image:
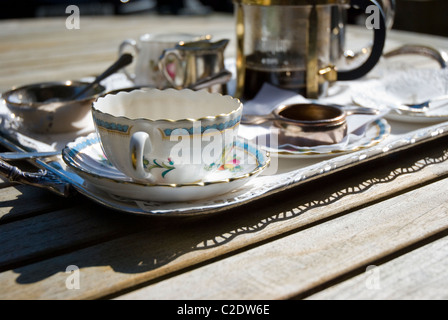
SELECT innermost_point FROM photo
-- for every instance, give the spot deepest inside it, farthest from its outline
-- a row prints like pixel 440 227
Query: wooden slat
pixel 417 275
pixel 20 201
pixel 57 231
pixel 299 262
pixel 50 52
pixel 4 183
pixel 171 245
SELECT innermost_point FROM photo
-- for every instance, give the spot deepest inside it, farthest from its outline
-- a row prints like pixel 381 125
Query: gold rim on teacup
pixel 146 89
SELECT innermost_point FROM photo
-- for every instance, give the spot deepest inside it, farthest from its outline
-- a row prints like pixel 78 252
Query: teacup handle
pixel 377 47
pixel 121 49
pixel 164 65
pixel 140 144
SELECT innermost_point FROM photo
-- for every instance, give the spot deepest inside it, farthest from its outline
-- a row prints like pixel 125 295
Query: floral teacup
pixel 167 136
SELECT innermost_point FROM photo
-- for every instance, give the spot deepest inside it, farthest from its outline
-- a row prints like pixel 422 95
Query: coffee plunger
pixel 287 43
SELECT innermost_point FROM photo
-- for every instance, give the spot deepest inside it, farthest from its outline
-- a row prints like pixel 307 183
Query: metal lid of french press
pixel 289 2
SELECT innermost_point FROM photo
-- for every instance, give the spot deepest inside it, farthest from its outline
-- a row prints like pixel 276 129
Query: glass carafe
pixel 287 43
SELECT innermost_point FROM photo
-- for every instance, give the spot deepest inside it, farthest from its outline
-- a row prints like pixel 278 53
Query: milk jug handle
pixel 164 62
pixel 121 50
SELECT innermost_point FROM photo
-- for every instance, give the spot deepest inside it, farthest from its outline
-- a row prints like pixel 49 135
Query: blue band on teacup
pixel 112 126
pixel 217 126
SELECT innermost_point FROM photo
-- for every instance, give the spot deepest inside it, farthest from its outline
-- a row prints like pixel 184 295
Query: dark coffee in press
pixel 258 72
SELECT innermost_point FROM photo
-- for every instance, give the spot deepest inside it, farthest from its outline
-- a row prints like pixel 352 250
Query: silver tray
pixel 55 176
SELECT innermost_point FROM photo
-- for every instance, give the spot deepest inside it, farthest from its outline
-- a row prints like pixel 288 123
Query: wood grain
pixel 301 261
pixel 4 183
pixel 417 275
pixel 20 201
pixel 47 51
pixel 165 246
pixel 56 231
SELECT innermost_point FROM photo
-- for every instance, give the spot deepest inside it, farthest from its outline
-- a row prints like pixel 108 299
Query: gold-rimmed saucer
pixel 86 158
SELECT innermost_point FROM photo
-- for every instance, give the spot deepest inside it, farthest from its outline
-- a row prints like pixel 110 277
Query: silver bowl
pixel 47 107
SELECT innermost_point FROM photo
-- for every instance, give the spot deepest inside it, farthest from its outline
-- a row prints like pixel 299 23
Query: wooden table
pixel 374 231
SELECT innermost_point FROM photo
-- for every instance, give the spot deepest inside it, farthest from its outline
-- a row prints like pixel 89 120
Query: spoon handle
pixel 14 156
pixel 360 110
pixel 425 106
pixel 220 78
pixel 439 98
pixel 255 119
pixel 42 178
pixel 123 61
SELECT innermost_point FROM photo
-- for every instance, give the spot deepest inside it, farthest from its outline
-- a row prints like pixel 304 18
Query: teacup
pixel 167 136
pixel 147 51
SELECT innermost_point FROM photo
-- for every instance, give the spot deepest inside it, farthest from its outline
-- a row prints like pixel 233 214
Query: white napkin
pixel 269 97
pixel 406 86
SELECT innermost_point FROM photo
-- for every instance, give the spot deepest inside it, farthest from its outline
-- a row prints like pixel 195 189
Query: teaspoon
pixel 16 156
pixel 123 61
pixel 424 106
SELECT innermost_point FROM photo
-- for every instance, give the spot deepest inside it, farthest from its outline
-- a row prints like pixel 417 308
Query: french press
pixel 287 43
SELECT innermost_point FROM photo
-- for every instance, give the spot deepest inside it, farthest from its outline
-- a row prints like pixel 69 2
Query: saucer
pixel 86 158
pixel 375 132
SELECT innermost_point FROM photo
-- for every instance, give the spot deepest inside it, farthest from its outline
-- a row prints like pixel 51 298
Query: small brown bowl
pixel 47 108
pixel 310 124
